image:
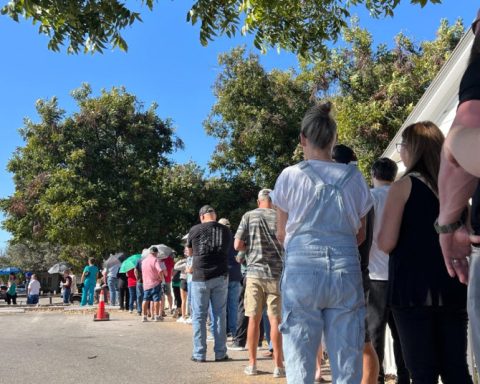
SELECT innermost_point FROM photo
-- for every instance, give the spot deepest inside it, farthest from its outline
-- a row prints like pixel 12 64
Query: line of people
pixel 305 266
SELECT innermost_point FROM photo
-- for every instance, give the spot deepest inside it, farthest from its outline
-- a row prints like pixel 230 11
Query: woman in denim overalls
pixel 321 207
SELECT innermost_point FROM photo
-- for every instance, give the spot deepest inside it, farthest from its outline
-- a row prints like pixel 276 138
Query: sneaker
pixel 145 319
pixel 181 320
pixel 130 311
pixel 139 313
pixel 235 347
pixel 278 372
pixel 250 370
pixel 195 360
pixel 158 318
pixel 210 338
pixel 189 321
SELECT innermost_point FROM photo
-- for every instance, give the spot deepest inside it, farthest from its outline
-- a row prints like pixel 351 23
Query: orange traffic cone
pixel 101 315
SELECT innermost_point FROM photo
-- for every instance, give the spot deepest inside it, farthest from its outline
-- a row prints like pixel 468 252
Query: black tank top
pixel 417 273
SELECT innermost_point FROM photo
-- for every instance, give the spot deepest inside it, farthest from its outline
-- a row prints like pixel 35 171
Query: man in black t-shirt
pixel 209 243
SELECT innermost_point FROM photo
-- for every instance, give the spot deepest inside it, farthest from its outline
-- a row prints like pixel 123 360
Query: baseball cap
pixel 264 193
pixel 206 209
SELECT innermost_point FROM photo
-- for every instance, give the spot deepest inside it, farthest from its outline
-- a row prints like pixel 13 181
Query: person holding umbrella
pixel 89 278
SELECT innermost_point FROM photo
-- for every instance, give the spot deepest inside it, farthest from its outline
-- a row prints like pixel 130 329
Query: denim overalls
pixel 322 289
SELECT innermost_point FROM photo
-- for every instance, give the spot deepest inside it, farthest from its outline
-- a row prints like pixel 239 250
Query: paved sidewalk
pixel 64 347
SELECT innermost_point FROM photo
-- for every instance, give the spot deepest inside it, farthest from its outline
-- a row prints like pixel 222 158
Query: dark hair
pixel 318 126
pixel 423 142
pixel 343 154
pixel 384 169
pixel 91 260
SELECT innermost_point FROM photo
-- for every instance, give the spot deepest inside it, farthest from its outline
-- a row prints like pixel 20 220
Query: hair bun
pixel 325 108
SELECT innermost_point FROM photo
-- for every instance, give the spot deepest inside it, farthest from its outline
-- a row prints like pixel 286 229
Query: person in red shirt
pixel 169 264
pixel 132 289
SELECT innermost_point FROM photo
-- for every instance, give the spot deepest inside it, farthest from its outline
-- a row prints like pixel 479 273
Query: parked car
pixel 21 290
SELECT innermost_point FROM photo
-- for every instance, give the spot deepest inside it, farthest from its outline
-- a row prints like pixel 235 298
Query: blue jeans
pixel 267 328
pixel 112 283
pixel 322 291
pixel 189 298
pixel 32 299
pixel 232 305
pixel 212 291
pixel 66 295
pixel 132 297
pixel 87 294
pixel 473 301
pixel 139 297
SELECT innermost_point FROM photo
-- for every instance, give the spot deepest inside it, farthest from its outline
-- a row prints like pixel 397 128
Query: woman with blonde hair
pixel 429 307
pixel 321 209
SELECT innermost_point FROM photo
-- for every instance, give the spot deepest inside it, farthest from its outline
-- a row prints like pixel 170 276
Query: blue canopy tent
pixel 9 270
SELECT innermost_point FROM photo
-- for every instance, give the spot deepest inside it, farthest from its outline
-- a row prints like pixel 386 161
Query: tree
pixel 256 119
pixel 375 89
pixel 257 114
pixel 30 256
pixel 298 26
pixel 90 180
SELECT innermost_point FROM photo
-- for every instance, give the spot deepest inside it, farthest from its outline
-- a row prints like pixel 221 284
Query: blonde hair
pixel 423 141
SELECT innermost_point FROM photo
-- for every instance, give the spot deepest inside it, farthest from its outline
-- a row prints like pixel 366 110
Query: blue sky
pixel 165 64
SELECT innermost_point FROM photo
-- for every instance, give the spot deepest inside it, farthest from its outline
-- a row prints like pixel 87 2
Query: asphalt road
pixel 69 347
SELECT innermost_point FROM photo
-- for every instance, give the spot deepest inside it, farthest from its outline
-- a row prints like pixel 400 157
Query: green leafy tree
pixel 298 26
pixel 256 119
pixel 90 180
pixel 375 89
pixel 257 114
pixel 30 256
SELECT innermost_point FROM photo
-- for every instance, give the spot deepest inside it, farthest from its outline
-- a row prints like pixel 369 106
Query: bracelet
pixel 447 228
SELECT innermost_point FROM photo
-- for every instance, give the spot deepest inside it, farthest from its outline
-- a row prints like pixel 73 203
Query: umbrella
pixel 114 259
pixel 59 268
pixel 163 251
pixel 130 263
pixel 8 270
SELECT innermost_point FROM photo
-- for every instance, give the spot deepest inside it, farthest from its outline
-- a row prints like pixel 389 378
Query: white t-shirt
pixel 378 260
pixel 34 287
pixel 294 193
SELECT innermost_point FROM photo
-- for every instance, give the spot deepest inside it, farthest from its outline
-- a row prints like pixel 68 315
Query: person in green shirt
pixel 12 289
pixel 89 278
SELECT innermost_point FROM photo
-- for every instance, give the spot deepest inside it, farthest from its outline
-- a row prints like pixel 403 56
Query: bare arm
pixel 282 218
pixel 455 189
pixel 393 213
pixel 239 245
pixel 362 232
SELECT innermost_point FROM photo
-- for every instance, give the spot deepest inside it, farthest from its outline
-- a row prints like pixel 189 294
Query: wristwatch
pixel 447 228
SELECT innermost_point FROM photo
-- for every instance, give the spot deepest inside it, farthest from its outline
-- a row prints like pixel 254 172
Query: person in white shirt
pixel 383 172
pixel 33 291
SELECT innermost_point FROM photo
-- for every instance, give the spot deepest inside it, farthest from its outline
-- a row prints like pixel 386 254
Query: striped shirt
pixel 264 253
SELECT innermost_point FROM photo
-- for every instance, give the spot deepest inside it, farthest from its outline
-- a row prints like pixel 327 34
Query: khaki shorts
pixel 261 292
